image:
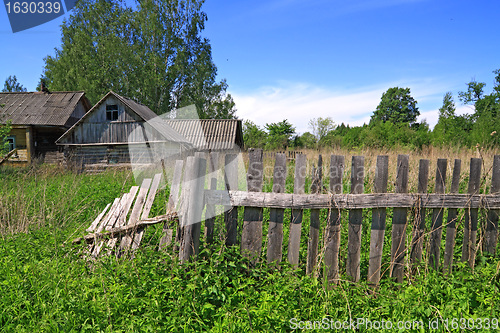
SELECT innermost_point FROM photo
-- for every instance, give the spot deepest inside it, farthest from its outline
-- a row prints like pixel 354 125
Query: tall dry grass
pixel 46 195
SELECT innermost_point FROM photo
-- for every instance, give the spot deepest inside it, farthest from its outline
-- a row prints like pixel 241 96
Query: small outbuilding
pixel 118 130
pixel 38 119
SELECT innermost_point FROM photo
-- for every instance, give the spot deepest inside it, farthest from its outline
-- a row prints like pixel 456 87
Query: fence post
pixel 332 232
pixel 251 235
pixel 491 234
pixel 194 180
pixel 355 220
pixel 378 222
pixel 437 216
pixel 296 223
pixel 451 230
pixel 231 213
pixel 398 246
pixel 470 227
pixel 417 243
pixel 312 243
pixel 276 215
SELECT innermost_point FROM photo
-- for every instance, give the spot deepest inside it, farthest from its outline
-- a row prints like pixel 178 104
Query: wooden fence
pixel 254 201
pixel 194 190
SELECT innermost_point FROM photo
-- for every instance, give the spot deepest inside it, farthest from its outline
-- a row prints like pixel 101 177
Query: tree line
pixel 394 124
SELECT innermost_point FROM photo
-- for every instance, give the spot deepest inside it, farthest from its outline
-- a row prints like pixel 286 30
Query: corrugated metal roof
pixel 210 134
pixel 38 108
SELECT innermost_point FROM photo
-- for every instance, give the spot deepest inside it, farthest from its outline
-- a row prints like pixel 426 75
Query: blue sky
pixel 297 60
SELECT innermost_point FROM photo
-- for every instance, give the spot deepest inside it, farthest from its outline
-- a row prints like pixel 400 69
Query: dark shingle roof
pixel 42 109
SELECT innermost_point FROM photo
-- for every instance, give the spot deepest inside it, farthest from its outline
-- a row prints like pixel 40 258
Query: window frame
pixel 12 145
pixel 112 112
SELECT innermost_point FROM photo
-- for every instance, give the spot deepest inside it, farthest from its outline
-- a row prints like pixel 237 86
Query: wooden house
pixel 38 119
pixel 119 130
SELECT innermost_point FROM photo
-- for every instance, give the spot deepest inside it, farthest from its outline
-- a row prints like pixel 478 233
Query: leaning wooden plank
pixel 126 241
pixel 111 223
pixel 296 221
pixel 417 243
pixel 276 215
pixel 314 220
pixel 103 222
pixel 172 203
pixel 94 224
pixel 437 216
pixel 470 227
pixel 491 234
pixel 351 201
pixel 169 217
pixel 355 225
pixel 378 222
pixel 251 235
pixel 147 208
pixel 451 230
pixel 123 217
pixel 332 231
pixel 398 245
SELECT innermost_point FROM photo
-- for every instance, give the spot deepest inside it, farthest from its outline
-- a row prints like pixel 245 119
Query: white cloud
pixel 300 102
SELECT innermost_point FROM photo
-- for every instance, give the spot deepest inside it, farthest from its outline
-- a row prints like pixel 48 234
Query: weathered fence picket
pixel 355 220
pixel 251 234
pixel 437 216
pixel 213 168
pixel 296 218
pixel 378 222
pixel 470 227
pixel 276 215
pixel 398 246
pixel 451 230
pixel 314 222
pixel 332 232
pixel 491 230
pixel 173 201
pixel 417 243
pixel 231 213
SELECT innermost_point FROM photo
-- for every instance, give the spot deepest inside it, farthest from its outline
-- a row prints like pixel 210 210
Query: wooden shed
pixel 119 130
pixel 38 120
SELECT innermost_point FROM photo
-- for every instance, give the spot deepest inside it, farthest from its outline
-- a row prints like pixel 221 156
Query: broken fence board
pixel 126 241
pixel 146 209
pixel 123 216
pixel 94 224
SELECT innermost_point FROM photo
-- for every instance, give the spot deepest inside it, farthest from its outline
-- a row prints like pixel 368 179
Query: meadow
pixel 46 285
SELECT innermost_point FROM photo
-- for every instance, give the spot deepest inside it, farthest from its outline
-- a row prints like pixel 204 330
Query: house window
pixel 11 141
pixel 112 112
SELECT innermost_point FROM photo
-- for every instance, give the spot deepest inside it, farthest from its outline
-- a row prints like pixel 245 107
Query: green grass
pixel 46 286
